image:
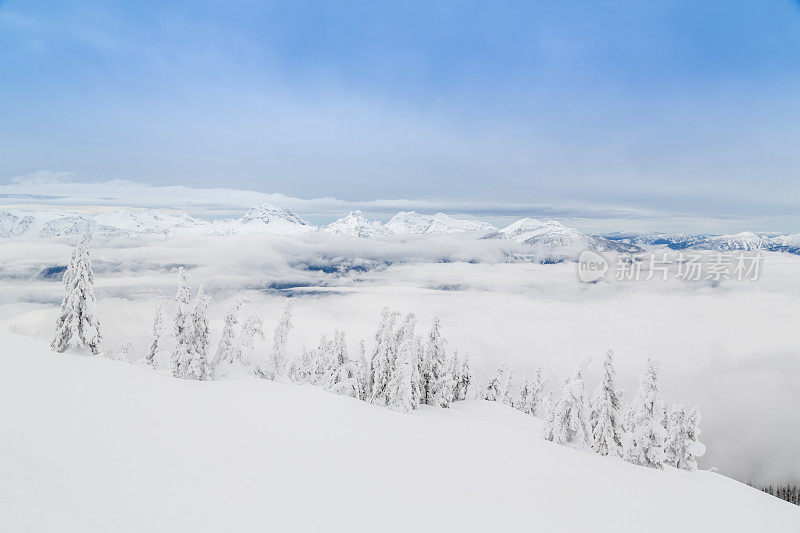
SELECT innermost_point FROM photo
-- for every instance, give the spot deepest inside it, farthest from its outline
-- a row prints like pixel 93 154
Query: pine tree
pixel 279 358
pixel 530 394
pixel 383 358
pixel 182 328
pixel 439 379
pixel 675 443
pixel 78 324
pixel 570 414
pixel 693 448
pixel 196 365
pixel 404 392
pixel 155 344
pixel 499 385
pixel 252 327
pixel 465 388
pixel 344 378
pixel 606 420
pixel 548 418
pixel 643 442
pixel 321 362
pixel 229 348
pixel 536 393
pixel 364 373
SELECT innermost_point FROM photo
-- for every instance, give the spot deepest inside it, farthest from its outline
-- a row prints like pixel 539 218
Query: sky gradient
pixel 681 110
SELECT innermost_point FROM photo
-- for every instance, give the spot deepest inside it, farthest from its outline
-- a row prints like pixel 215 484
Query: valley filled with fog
pixel 729 347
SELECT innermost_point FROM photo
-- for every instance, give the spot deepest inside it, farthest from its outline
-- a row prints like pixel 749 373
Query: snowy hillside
pixel 118 447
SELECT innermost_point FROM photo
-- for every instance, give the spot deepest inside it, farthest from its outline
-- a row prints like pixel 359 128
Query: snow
pixel 271 220
pixel 411 222
pixel 356 224
pixel 90 444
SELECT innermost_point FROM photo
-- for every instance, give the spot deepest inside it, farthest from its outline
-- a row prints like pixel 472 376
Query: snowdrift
pixel 90 444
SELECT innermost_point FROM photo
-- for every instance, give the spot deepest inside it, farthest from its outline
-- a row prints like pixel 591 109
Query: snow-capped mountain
pixel 411 222
pixel 745 241
pixel 555 236
pixel 149 221
pixel 356 224
pixel 14 225
pixel 268 219
pixel 123 223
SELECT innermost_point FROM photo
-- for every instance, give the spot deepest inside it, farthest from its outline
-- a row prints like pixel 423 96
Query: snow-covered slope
pixel 356 224
pixel 411 222
pixel 89 444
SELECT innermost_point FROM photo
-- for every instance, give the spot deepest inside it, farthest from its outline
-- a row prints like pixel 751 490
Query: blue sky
pixel 687 111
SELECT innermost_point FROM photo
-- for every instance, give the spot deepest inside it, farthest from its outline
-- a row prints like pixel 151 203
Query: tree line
pixel 402 371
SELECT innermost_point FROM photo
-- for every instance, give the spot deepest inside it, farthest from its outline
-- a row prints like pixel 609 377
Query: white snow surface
pixel 90 444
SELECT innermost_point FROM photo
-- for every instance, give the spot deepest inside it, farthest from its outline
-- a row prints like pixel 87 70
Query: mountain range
pixel 267 219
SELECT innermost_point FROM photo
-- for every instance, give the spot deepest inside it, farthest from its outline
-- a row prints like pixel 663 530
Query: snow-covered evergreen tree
pixel 182 326
pixel 531 394
pixel 498 387
pixel 344 378
pixel 548 417
pixel 364 373
pixel 78 323
pixel 229 348
pixel 694 448
pixel 196 365
pixel 439 380
pixel 606 419
pixel 404 391
pixel 383 358
pixel 570 414
pixel 465 386
pixel 643 442
pixel 252 327
pixel 279 359
pixel 682 446
pixel 156 343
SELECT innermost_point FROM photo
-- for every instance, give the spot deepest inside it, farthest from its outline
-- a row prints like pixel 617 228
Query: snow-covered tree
pixel 404 392
pixel 643 442
pixel 439 380
pixel 531 394
pixel 344 377
pixel 303 366
pixel 682 447
pixel 78 324
pixel 157 342
pixel 498 387
pixel 570 414
pixel 364 373
pixel 383 358
pixel 465 386
pixel 279 359
pixel 196 365
pixel 229 348
pixel 182 326
pixel 606 419
pixel 252 327
pixel 548 417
